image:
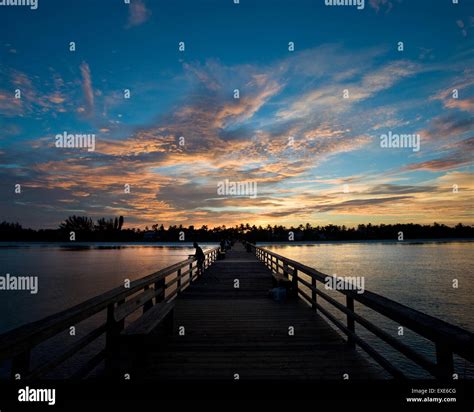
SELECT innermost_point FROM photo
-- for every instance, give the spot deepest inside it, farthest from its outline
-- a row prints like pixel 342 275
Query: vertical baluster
pixel 294 281
pixel 111 337
pixel 160 284
pixel 178 287
pixel 148 305
pixel 350 320
pixel 110 325
pixel 314 295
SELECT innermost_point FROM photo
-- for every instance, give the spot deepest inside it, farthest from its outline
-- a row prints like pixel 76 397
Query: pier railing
pixel 448 339
pixel 119 303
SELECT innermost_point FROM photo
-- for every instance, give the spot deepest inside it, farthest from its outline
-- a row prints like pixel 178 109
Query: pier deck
pixel 232 333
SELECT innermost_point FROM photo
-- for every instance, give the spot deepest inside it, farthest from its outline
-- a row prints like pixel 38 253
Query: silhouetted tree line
pixel 111 230
pixel 361 232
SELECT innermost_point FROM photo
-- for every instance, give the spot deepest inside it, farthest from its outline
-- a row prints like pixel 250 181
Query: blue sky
pixel 333 171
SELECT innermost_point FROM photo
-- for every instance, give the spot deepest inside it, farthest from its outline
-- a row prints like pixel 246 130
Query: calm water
pixel 419 275
pixel 68 276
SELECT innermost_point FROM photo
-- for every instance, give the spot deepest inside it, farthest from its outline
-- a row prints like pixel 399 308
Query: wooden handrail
pixel 449 339
pixel 18 343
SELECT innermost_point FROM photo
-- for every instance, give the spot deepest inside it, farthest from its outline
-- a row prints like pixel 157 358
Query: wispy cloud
pixel 465 25
pixel 87 87
pixel 379 5
pixel 460 154
pixel 448 126
pixel 32 101
pixel 465 100
pixel 138 13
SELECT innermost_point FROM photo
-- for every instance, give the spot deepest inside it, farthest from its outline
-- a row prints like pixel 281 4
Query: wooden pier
pixel 235 332
pixel 178 324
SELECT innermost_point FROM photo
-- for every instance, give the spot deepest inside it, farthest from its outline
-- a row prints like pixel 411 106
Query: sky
pixel 305 130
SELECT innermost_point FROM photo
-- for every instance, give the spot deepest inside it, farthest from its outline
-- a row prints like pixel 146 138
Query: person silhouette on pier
pixel 199 256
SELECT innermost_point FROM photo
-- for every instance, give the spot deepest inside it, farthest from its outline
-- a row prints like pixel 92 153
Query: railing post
pixel 111 337
pixel 178 287
pixel 21 365
pixel 314 295
pixel 110 325
pixel 148 305
pixel 350 320
pixel 190 272
pixel 160 284
pixel 294 281
pixel 444 361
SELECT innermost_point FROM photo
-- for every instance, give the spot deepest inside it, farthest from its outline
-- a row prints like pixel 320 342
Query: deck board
pixel 242 331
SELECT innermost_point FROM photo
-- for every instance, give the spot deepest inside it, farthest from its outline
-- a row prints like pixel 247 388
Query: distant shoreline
pixel 84 229
pixel 391 241
pixel 99 245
